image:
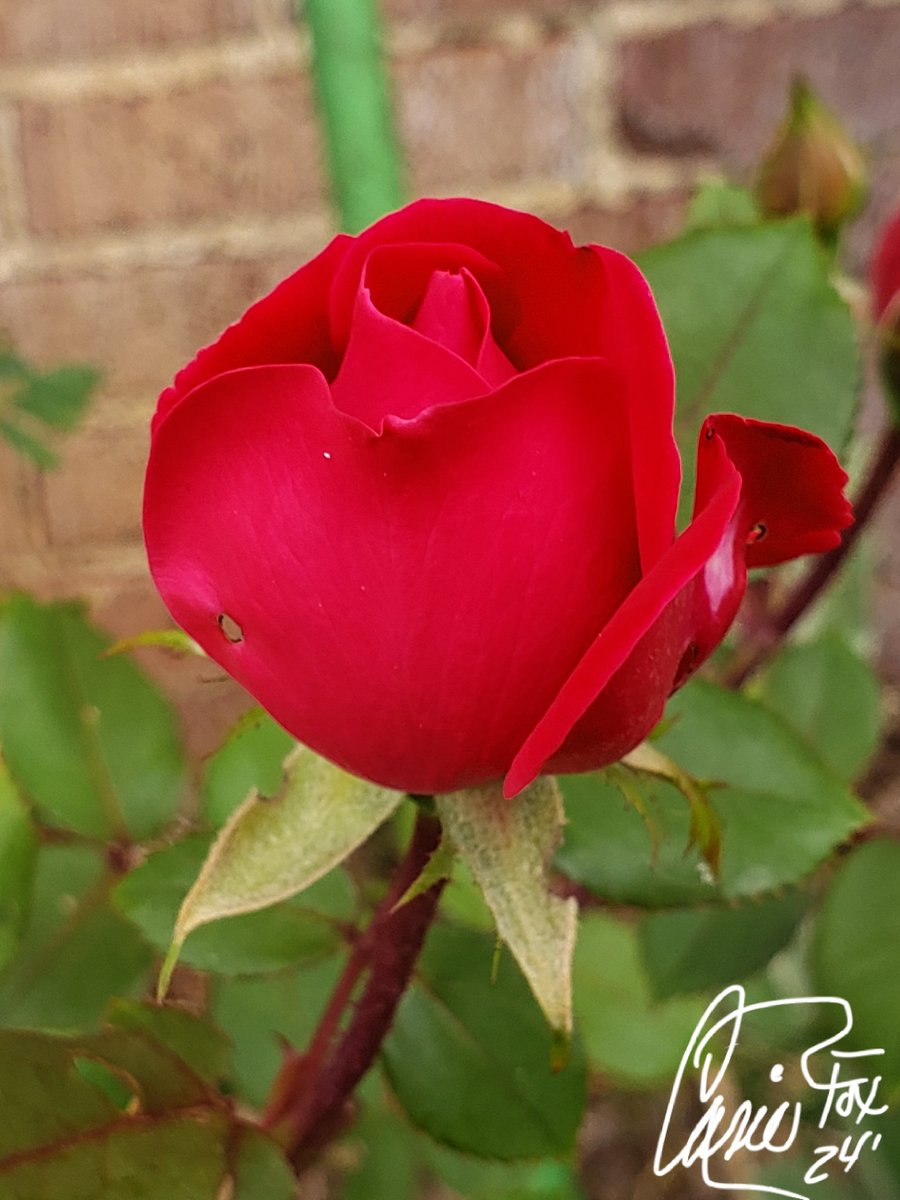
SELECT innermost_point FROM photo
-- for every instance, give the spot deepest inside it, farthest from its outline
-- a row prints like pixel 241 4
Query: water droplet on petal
pixel 230 628
pixel 325 454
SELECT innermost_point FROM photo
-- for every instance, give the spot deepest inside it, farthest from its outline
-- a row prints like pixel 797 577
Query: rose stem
pixel 309 1096
pixel 760 648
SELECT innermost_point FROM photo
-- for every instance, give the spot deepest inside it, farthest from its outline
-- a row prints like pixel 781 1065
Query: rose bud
pixel 420 501
pixel 885 279
pixel 812 166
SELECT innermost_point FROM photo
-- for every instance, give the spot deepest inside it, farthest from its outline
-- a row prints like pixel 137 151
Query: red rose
pixel 420 502
pixel 886 267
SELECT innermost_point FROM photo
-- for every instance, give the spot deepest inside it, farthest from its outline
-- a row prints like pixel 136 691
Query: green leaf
pixel 756 328
pixel 629 1036
pixel 76 951
pixel 781 810
pixel 25 443
pixel 159 1078
pixel 439 867
pixel 181 1156
pixel 857 950
pixel 463 902
pixel 251 758
pixel 830 696
pixel 205 1049
pixel 92 743
pixel 271 849
pixel 260 1014
pixel 506 845
pixel 477 1179
pixel 692 950
pixel 261 1170
pixel 720 206
pixel 250 943
pixel 705 832
pixel 43 1099
pixel 18 857
pixel 469 1060
pixel 58 398
pixel 63 1134
pixel 387 1165
pixel 609 848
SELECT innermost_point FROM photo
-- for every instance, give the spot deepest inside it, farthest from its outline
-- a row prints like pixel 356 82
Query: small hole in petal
pixel 757 533
pixel 686 665
pixel 230 628
pixel 710 433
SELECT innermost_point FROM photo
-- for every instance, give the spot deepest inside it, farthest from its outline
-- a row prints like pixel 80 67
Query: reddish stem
pixel 760 649
pixel 309 1098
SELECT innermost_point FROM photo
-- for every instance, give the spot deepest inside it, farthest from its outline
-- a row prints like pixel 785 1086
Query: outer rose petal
pixel 553 300
pixel 409 603
pixel 289 325
pixel 748 472
pixel 792 487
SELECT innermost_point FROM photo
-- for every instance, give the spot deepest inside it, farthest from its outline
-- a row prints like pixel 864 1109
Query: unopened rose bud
pixel 812 166
pixel 885 279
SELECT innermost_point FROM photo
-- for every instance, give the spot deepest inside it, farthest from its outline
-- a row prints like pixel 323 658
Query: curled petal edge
pixel 736 488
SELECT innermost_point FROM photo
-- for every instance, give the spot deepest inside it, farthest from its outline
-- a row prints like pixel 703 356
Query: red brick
pixel 647 219
pixel 43 31
pixel 22 518
pixel 471 114
pixel 722 89
pixel 138 324
pixel 476 11
pixel 95 493
pixel 216 150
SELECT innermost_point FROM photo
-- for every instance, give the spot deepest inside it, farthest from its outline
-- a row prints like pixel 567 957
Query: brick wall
pixel 160 167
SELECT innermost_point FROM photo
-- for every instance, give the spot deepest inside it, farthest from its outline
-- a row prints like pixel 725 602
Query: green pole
pixel 353 96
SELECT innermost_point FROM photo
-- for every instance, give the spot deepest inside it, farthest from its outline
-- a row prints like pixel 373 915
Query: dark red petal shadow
pixel 409 603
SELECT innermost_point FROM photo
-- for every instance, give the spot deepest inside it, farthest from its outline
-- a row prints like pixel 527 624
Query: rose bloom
pixel 420 501
pixel 885 274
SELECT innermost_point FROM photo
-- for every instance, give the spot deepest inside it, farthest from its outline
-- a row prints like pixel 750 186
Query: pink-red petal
pixel 409 603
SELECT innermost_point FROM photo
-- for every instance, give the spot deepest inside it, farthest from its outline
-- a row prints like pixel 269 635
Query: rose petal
pixel 886 267
pixel 631 324
pixel 748 471
pixel 408 603
pixel 644 638
pixel 454 313
pixel 792 495
pixel 289 325
pixel 551 300
pixel 390 369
